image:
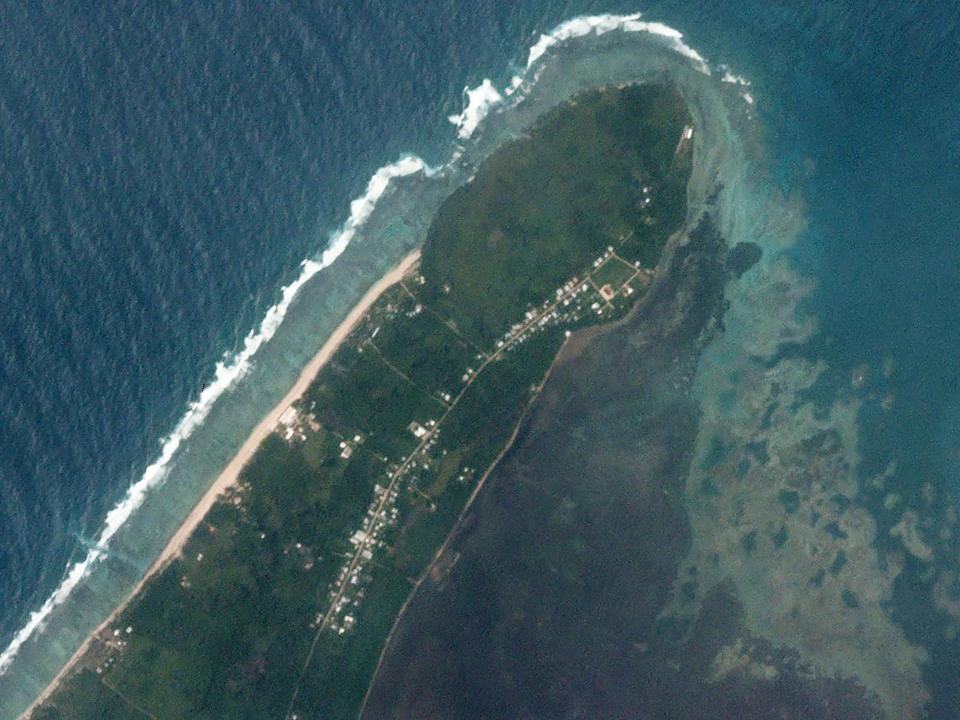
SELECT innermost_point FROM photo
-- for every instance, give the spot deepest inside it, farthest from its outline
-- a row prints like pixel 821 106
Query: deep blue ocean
pixel 165 168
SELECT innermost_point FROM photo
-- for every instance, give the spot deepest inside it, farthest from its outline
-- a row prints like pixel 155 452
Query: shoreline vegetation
pixel 231 473
pixel 278 593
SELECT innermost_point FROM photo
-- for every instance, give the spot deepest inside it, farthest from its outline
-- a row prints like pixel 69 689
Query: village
pixel 284 595
pixel 603 292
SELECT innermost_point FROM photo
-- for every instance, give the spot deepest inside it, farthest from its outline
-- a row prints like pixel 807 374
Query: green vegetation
pixel 614 273
pixel 283 598
pixel 601 174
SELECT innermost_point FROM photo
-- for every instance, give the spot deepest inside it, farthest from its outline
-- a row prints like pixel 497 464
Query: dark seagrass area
pixel 284 597
pixel 548 602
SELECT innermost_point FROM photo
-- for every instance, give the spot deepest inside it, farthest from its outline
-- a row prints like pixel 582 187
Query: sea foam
pixel 485 97
pixel 739 80
pixel 602 24
pixel 228 372
pixel 479 101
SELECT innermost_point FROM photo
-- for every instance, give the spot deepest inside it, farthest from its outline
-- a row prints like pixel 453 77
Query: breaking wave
pixel 485 97
pixel 478 103
pixel 228 372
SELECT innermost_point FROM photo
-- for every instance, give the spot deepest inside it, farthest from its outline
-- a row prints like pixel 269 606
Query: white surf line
pixel 228 372
pixel 485 97
pixel 738 80
pixel 479 101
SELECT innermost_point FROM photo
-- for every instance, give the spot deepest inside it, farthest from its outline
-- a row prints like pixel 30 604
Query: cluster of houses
pixel 293 426
pixel 348 590
pixel 113 641
pixel 568 306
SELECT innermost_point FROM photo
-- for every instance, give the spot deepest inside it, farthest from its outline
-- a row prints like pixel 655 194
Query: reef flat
pixel 552 599
pixel 282 600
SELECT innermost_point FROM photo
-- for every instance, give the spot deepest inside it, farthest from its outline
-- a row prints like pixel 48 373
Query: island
pixel 281 601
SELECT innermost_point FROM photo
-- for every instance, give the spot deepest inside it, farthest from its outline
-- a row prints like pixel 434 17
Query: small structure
pixel 289 421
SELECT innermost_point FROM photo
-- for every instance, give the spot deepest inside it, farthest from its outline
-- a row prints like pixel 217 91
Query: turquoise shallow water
pixel 170 169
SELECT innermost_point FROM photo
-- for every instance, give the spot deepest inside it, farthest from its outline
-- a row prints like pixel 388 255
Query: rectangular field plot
pixel 613 272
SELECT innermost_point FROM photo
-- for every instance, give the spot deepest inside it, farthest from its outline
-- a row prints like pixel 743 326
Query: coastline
pixel 572 346
pixel 458 524
pixel 231 473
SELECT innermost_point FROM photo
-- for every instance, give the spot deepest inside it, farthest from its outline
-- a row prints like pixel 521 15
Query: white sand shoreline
pixel 230 474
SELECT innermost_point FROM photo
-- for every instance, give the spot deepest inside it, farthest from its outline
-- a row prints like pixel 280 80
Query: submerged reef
pixel 284 597
pixel 772 497
pixel 670 518
pixel 550 601
pixel 684 525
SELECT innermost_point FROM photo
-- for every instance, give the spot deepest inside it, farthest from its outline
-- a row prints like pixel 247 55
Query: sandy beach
pixel 229 475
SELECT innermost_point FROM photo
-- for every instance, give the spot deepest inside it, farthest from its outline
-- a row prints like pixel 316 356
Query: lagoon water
pixel 167 170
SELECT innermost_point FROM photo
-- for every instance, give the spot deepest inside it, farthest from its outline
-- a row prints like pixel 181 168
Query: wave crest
pixel 479 101
pixel 228 372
